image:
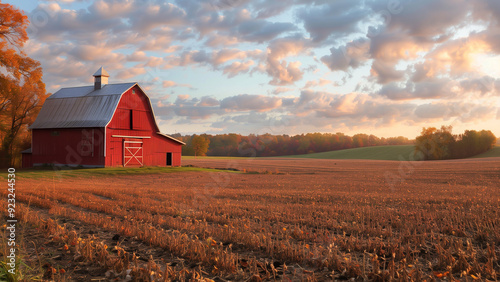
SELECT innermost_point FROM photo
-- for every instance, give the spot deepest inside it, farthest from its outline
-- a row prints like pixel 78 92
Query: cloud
pixel 394 92
pixel 482 85
pixel 488 10
pixel 329 111
pixel 65 1
pixel 247 102
pixel 428 89
pixel 351 55
pixel 128 73
pixel 425 18
pixel 267 9
pixel 465 112
pixel 260 30
pixel 146 17
pixel 93 52
pixel 194 112
pixel 111 9
pixel 237 68
pixel 170 83
pixel 443 88
pixel 216 40
pixel 253 117
pixel 217 60
pixel 385 72
pixel 207 101
pixel 282 72
pixel 339 18
pixel 478 112
pixel 279 90
pixel 237 22
pixel 192 108
pixel 206 106
pixel 392 46
pixel 454 57
pixel 440 111
pixel 319 82
pixel 137 56
pixel 227 55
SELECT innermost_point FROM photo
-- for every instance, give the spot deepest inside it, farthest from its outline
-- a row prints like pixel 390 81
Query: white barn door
pixel 132 153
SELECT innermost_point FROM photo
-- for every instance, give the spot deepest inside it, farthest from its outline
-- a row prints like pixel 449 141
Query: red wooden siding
pixel 27 160
pixel 155 146
pixel 83 146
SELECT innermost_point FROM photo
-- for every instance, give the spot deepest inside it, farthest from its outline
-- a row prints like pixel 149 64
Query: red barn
pixel 100 126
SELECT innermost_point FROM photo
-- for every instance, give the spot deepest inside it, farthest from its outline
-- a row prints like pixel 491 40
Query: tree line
pixel 268 145
pixel 441 144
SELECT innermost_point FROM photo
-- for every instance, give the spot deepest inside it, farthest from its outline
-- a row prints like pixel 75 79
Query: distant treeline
pixel 441 144
pixel 281 145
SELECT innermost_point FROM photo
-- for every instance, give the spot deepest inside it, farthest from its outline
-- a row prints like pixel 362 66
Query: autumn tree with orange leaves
pixel 22 91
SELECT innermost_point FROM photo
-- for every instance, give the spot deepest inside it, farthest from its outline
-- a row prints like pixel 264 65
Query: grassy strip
pixel 211 158
pixel 492 153
pixel 388 153
pixel 48 172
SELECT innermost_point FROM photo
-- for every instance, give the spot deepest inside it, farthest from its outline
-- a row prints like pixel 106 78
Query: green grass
pixel 36 173
pixel 211 158
pixel 492 153
pixel 389 153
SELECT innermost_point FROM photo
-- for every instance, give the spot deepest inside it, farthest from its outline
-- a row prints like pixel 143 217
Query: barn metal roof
pixel 108 89
pixel 80 107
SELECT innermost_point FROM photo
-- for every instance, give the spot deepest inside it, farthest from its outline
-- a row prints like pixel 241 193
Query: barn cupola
pixel 100 78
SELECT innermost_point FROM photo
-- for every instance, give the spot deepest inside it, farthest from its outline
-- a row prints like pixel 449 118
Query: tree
pixel 435 144
pixel 440 144
pixel 200 145
pixel 21 88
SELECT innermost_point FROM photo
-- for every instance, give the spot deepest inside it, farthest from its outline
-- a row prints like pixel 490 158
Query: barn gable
pixel 135 112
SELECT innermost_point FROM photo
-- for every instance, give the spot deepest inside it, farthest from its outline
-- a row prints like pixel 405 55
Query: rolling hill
pixel 388 153
pixel 495 152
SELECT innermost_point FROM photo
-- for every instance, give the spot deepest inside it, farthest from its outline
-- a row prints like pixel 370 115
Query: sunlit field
pixel 279 219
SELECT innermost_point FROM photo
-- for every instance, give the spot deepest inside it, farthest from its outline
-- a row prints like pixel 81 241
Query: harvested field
pixel 283 219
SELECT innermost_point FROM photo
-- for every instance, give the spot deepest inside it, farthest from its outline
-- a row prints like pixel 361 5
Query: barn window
pixel 54 133
pixel 131 120
pixel 133 91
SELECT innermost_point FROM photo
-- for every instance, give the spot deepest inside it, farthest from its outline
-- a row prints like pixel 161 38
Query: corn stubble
pixel 303 224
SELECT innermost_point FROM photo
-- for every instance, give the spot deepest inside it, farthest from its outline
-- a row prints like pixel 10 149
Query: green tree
pixel 200 145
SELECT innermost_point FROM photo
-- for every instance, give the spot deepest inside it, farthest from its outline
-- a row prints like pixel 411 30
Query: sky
pixel 382 67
